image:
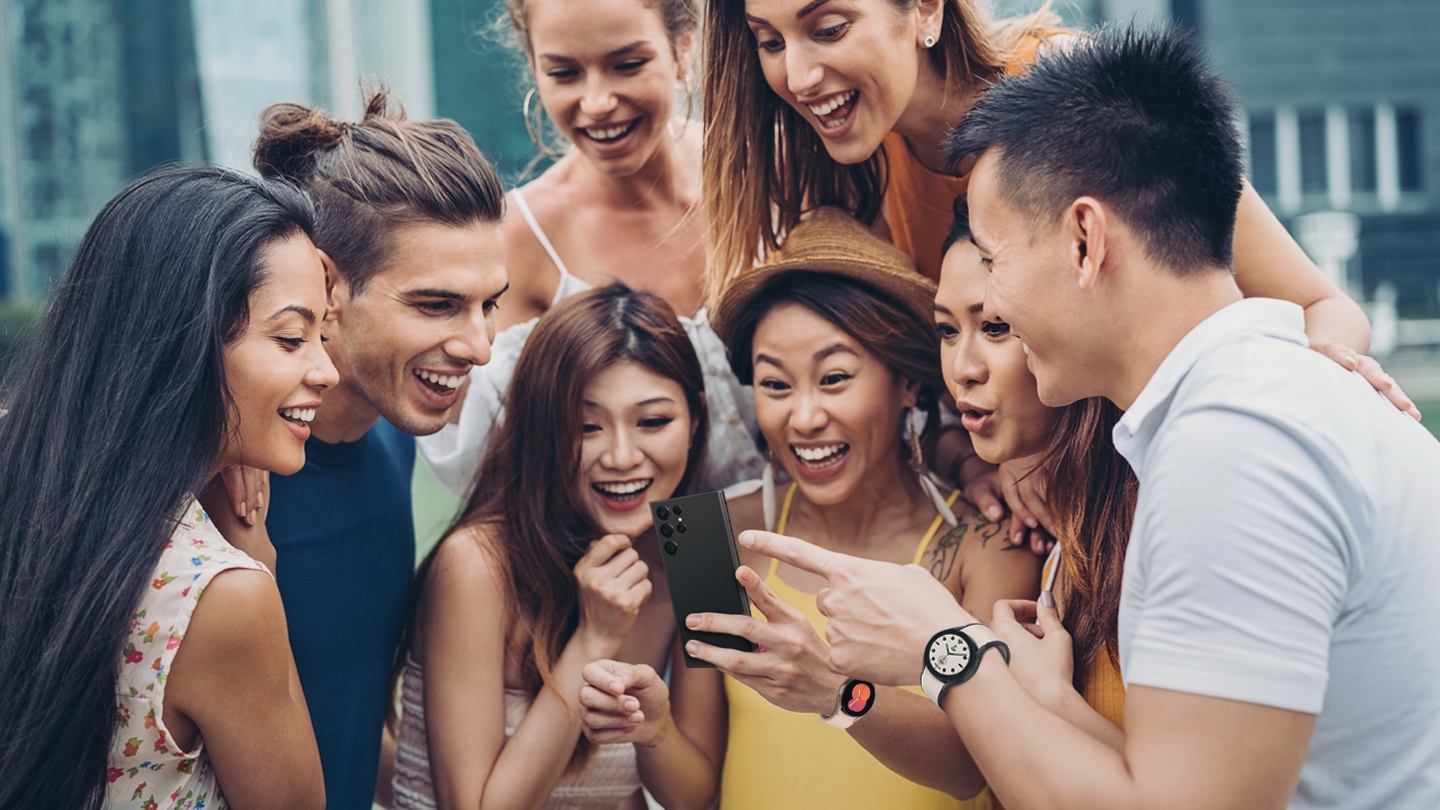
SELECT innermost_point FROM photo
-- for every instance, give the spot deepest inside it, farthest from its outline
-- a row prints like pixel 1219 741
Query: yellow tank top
pixel 1104 689
pixel 919 203
pixel 779 760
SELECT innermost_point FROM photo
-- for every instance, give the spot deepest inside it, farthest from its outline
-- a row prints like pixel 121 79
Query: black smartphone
pixel 698 548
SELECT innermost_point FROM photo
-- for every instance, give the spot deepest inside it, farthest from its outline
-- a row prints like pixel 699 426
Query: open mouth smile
pixel 611 133
pixel 623 495
pixel 441 384
pixel 820 457
pixel 834 112
pixel 298 416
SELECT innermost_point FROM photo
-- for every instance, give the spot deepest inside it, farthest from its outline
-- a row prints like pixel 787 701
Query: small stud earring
pixel 929 42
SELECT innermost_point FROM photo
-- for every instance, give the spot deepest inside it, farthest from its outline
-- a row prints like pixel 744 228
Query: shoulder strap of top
pixel 780 527
pixel 934 527
pixel 540 234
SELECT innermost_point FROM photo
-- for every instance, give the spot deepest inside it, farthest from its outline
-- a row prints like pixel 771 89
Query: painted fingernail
pixel 1047 599
pixel 618 688
pixel 692 622
pixel 692 647
pixel 994 512
pixel 1031 522
pixel 637 717
pixel 632 704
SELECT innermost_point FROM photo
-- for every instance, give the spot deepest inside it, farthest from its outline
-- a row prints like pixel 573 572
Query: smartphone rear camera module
pixel 679 510
pixel 670 547
pixel 680 527
pixel 662 513
pixel 666 530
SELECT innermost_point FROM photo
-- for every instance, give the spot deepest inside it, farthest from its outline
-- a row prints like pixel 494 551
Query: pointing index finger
pixel 802 555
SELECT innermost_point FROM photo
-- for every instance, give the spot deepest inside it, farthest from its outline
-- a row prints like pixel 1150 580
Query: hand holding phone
pixel 698 549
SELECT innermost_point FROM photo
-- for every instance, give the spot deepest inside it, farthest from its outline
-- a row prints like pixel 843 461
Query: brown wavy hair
pixel 751 133
pixel 526 491
pixel 1091 491
pixel 370 177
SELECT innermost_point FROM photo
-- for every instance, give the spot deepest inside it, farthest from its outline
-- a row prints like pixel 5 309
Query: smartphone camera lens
pixel 678 510
pixel 670 547
pixel 666 530
pixel 663 513
pixel 680 528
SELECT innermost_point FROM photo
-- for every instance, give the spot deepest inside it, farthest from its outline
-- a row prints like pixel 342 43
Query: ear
pixel 1086 223
pixel 332 282
pixel 911 393
pixel 930 16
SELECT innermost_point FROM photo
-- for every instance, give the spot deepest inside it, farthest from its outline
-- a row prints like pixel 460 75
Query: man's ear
pixel 332 281
pixel 1086 223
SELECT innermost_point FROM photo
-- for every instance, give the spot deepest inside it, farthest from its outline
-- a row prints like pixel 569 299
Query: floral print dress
pixel 147 771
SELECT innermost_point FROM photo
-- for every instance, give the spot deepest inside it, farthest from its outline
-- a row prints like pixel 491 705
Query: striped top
pixel 609 780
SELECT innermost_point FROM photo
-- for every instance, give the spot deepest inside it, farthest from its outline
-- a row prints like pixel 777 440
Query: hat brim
pixel 911 289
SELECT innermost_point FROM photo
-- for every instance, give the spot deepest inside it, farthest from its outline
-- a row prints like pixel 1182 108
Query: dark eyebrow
pixel 976 309
pixel 799 15
pixel 765 358
pixel 653 401
pixel 305 312
pixel 943 309
pixel 448 295
pixel 838 348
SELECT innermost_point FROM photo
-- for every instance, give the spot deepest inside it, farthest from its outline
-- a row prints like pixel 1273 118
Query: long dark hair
pixel 1091 491
pixel 117 413
pixel 526 489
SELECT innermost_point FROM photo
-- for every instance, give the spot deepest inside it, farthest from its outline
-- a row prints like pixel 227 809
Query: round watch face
pixel 857 697
pixel 949 654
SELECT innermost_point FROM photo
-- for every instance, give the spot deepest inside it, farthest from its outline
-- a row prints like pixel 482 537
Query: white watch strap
pixel 839 719
pixel 980 635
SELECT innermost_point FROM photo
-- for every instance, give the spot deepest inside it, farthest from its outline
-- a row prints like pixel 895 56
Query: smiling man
pixel 409 222
pixel 1281 577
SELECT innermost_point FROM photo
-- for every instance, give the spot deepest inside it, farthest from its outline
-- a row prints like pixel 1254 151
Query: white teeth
pixel 813 454
pixel 832 105
pixel 608 133
pixel 440 379
pixel 298 414
pixel 623 488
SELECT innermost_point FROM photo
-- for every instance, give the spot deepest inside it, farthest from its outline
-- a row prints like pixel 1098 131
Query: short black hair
pixel 1131 116
pixel 959 225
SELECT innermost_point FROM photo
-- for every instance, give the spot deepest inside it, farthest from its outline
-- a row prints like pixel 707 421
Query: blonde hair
pixel 752 133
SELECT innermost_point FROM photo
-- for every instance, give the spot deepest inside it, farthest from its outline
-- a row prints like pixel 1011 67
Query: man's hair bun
pixel 291 135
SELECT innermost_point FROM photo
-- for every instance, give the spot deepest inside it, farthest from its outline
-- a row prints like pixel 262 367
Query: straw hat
pixel 831 241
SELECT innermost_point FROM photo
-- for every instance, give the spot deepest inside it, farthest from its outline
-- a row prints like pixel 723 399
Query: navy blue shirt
pixel 345 547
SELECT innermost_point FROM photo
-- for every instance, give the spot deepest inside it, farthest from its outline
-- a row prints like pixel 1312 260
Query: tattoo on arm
pixel 945 551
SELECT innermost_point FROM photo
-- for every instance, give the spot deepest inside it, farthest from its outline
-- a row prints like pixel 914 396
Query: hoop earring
pixel 917 419
pixel 536 128
pixel 929 42
pixel 767 491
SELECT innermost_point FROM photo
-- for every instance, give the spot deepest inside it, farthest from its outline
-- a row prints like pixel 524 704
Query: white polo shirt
pixel 1286 552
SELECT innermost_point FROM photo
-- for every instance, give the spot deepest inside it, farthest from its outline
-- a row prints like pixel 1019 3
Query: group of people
pixel 976 322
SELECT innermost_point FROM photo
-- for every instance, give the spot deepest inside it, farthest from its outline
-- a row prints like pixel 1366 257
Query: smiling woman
pixel 550 564
pixel 139 639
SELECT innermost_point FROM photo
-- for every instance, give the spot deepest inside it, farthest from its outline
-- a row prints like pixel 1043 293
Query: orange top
pixel 918 202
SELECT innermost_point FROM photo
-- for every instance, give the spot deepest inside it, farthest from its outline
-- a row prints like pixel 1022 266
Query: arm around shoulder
pixel 234 678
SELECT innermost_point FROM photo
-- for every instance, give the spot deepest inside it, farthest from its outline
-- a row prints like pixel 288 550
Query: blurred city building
pixel 1342 106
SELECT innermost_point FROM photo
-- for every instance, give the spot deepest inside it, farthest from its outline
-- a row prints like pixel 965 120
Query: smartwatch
pixel 855 699
pixel 953 657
